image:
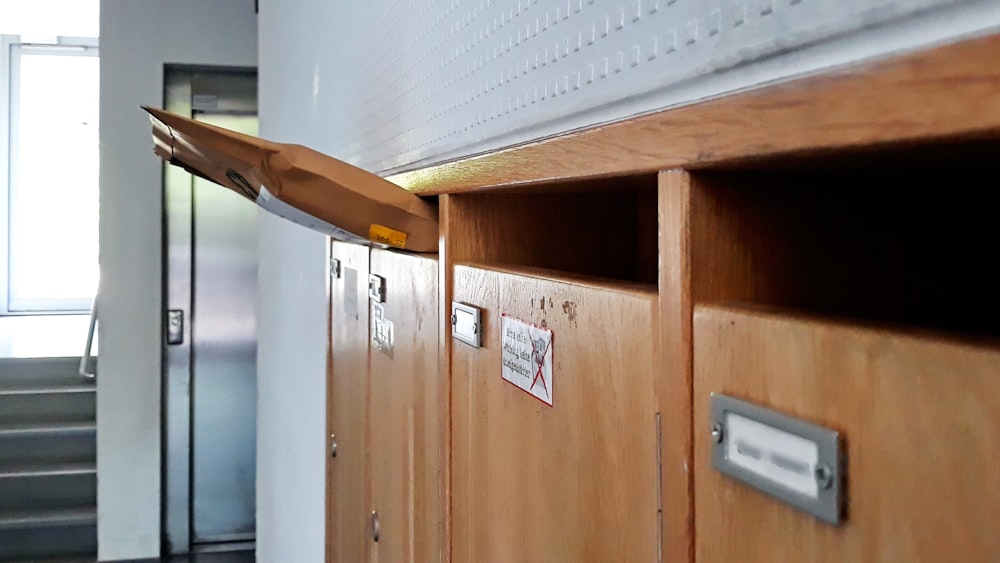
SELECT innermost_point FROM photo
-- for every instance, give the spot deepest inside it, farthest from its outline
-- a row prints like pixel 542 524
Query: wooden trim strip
pixel 675 386
pixel 946 92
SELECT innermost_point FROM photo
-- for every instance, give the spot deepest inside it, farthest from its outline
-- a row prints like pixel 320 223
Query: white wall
pixel 297 68
pixel 75 18
pixel 411 84
pixel 137 38
pixel 291 391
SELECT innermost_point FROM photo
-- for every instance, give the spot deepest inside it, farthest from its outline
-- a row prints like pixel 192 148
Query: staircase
pixel 48 470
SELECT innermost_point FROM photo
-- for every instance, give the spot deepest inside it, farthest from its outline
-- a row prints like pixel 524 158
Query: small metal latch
pixel 334 268
pixel 466 324
pixel 375 526
pixel 175 327
pixel 376 288
pixel 333 445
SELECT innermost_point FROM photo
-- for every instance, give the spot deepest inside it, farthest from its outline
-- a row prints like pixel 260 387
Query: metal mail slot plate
pixel 466 324
pixel 376 288
pixel 798 462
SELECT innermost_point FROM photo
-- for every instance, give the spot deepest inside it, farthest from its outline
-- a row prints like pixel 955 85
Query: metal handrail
pixel 85 359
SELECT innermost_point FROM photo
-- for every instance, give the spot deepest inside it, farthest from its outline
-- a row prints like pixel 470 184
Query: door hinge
pixel 659 487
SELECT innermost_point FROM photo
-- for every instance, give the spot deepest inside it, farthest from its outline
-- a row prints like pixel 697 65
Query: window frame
pixel 12 47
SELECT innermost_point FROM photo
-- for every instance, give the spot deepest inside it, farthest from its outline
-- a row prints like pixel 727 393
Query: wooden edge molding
pixel 950 91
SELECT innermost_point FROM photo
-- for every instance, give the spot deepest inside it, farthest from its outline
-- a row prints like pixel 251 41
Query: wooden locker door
pixel 919 418
pixel 576 481
pixel 347 401
pixel 408 416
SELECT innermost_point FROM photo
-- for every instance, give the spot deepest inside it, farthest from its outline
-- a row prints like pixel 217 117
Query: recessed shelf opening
pixel 603 228
pixel 903 239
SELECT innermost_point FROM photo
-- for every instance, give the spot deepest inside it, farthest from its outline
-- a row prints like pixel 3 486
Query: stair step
pixel 51 389
pixel 48 472
pixel 40 429
pixel 49 535
pixel 48 444
pixel 46 404
pixel 48 491
pixel 21 519
pixel 40 372
pixel 41 470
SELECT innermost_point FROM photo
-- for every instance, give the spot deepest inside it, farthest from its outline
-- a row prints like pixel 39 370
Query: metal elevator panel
pixel 224 357
pixel 177 209
pixel 210 372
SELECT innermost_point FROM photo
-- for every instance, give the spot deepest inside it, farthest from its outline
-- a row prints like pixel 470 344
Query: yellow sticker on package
pixel 385 235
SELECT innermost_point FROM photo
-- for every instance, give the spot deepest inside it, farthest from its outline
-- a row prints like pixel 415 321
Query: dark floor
pixel 226 557
pixel 216 557
pixel 221 557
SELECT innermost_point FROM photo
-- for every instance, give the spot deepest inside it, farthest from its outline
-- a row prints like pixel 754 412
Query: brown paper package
pixel 298 183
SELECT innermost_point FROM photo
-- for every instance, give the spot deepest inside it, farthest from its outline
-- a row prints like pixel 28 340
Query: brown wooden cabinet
pixel 347 407
pixel 387 410
pixel 407 413
pixel 920 426
pixel 575 481
pixel 845 291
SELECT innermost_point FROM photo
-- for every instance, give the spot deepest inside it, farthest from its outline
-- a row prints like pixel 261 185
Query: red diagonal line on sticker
pixel 538 374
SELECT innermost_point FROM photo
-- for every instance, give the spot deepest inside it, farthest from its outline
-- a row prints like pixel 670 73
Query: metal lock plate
pixel 466 324
pixel 334 268
pixel 376 288
pixel 793 460
pixel 175 327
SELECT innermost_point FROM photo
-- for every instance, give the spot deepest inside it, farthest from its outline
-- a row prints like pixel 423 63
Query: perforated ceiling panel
pixel 447 78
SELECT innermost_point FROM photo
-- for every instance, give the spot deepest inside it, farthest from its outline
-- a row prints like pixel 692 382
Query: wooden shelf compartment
pixel 387 410
pixel 855 292
pixel 605 228
pixel 904 237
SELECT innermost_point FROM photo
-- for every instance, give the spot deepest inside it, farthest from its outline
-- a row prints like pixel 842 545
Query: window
pixel 49 188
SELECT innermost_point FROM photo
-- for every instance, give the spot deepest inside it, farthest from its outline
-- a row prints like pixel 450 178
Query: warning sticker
pixel 526 357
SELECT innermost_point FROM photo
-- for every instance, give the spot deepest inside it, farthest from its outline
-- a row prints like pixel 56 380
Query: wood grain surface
pixel 674 382
pixel 407 415
pixel 347 538
pixel 576 481
pixel 920 427
pixel 606 228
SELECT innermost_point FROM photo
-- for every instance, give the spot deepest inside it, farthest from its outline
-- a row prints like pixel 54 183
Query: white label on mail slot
pixel 465 324
pixel 526 357
pixel 267 201
pixel 786 460
pixel 383 330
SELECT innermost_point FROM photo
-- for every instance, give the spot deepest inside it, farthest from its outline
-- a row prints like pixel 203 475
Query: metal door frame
pixel 178 281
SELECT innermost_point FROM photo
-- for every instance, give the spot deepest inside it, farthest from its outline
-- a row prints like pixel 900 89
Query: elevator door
pixel 211 374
